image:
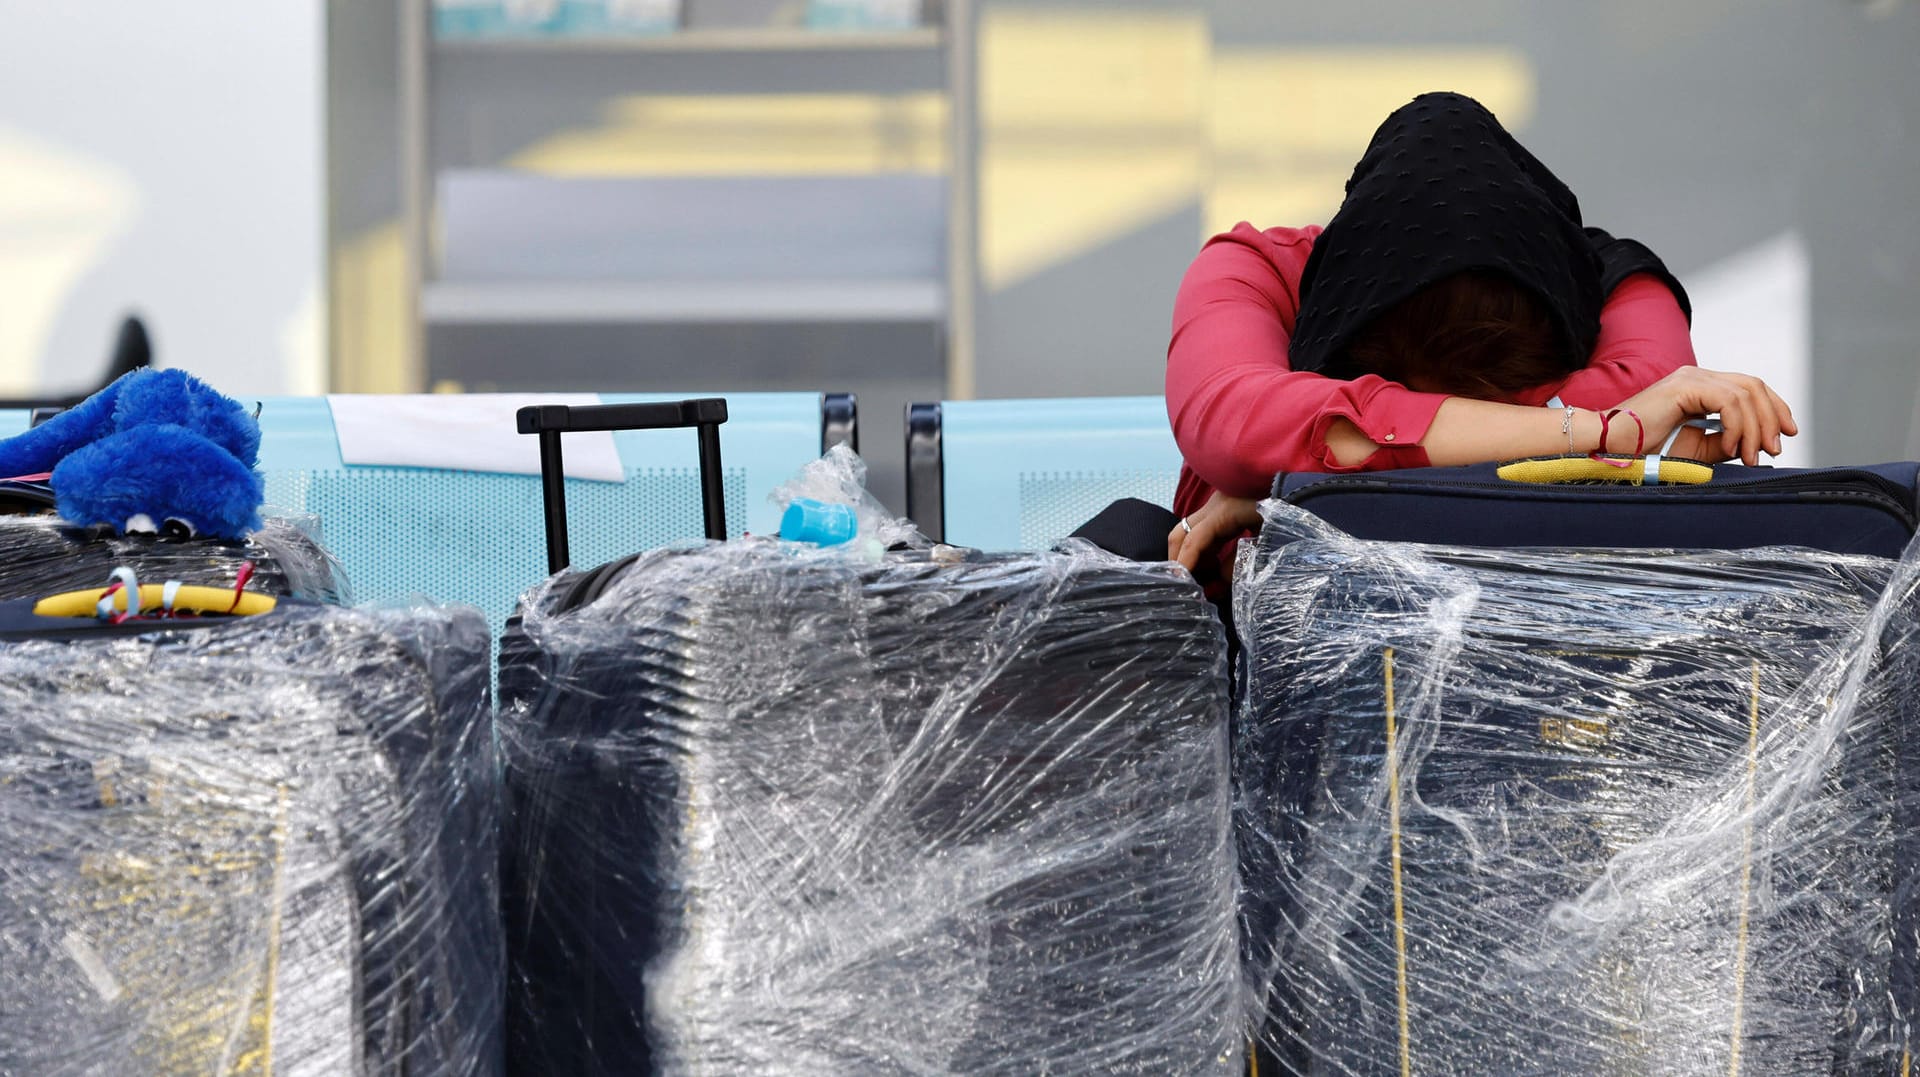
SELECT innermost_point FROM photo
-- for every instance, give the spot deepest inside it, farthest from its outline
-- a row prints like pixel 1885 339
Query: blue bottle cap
pixel 818 522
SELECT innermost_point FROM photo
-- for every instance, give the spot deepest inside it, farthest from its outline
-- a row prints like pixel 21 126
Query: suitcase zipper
pixel 1845 485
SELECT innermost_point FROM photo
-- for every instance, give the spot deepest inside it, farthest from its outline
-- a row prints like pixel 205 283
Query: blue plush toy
pixel 157 451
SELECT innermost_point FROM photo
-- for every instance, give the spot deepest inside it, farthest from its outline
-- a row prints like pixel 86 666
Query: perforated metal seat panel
pixel 477 538
pixel 1023 474
pixel 1055 503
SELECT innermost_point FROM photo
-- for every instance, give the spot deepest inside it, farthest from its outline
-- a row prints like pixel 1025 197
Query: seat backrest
pixel 1023 474
pixel 478 537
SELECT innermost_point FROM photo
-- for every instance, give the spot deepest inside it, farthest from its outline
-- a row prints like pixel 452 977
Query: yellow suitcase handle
pixel 186 599
pixel 1614 469
pixel 1552 470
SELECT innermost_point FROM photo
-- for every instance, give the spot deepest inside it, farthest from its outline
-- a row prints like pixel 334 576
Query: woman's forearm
pixel 1468 431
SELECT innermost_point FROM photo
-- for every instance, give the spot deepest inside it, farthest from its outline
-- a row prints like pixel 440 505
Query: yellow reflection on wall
pixel 1287 125
pixel 1092 125
pixel 752 135
pixel 371 322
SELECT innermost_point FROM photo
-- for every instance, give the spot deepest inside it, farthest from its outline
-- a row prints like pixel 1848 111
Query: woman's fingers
pixel 1215 522
pixel 1745 427
pixel 1755 417
pixel 1696 444
pixel 1779 416
pixel 1206 528
pixel 1784 413
pixel 1710 449
pixel 1746 413
pixel 1770 415
pixel 1722 401
pixel 1188 541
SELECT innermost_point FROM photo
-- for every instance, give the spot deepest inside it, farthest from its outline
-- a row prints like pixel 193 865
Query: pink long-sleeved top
pixel 1241 414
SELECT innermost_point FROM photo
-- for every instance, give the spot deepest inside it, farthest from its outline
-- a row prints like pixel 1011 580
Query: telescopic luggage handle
pixel 549 421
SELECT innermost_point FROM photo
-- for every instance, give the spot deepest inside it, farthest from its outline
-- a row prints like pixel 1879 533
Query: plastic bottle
pixel 818 522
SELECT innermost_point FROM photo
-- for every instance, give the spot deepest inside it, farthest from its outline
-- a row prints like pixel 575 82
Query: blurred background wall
pixel 164 158
pixel 1765 148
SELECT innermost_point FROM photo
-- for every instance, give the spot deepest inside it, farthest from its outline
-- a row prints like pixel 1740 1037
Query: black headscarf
pixel 1444 188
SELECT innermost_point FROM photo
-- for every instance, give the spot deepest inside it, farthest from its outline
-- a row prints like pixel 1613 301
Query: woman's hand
pixel 1752 415
pixel 1218 521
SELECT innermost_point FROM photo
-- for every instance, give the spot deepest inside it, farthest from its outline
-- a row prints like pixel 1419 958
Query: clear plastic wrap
pixel 1576 811
pixel 840 478
pixel 782 810
pixel 41 555
pixel 262 845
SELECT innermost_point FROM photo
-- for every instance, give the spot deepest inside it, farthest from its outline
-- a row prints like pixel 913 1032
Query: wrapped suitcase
pixel 40 553
pixel 1676 505
pixel 1604 811
pixel 785 810
pixel 253 844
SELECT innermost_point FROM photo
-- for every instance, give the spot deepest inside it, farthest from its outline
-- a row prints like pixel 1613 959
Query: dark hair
pixel 1475 333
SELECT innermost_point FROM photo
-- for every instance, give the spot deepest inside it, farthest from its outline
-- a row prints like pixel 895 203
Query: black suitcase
pixel 256 844
pixel 760 824
pixel 1840 510
pixel 40 554
pixel 1494 804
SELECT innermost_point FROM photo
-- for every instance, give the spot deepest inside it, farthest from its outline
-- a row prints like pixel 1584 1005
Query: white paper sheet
pixel 467 432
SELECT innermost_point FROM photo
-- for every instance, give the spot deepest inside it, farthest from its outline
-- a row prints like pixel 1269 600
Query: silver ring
pixel 1185 526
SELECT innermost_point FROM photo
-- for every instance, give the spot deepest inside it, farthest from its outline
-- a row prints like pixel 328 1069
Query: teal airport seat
pixel 1023 474
pixel 478 537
